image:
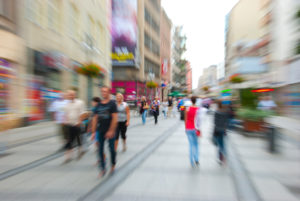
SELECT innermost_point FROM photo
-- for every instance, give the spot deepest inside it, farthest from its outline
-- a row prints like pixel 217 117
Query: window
pixel 7 9
pixel 91 27
pixel 155 4
pixel 75 79
pixel 54 14
pixel 100 37
pixel 149 19
pixel 74 22
pixel 151 67
pixel 151 44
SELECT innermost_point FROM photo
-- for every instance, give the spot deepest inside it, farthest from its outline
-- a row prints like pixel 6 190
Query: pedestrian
pixel 221 123
pixel 192 119
pixel 123 120
pixel 155 109
pixel 143 109
pixel 266 103
pixel 58 114
pixel 105 122
pixel 170 106
pixel 74 114
pixel 165 109
pixel 174 108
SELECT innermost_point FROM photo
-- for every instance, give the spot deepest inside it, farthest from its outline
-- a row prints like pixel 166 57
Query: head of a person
pixel 143 98
pixel 64 96
pixel 156 98
pixel 71 94
pixel 119 97
pixel 105 92
pixel 170 98
pixel 95 101
pixel 193 100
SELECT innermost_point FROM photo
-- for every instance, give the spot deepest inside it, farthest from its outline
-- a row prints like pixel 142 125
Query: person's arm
pixel 185 116
pixel 94 126
pixel 114 122
pixel 128 115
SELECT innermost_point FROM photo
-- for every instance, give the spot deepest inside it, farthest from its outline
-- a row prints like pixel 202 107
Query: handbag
pixel 198 133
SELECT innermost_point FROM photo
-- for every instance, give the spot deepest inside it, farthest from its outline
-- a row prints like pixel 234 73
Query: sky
pixel 204 24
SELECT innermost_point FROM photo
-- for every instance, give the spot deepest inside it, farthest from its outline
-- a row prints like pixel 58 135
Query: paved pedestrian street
pixel 155 167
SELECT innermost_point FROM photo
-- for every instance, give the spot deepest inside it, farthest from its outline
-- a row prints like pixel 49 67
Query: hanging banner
pixel 124 32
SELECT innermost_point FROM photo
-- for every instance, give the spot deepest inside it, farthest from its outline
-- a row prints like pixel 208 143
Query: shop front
pixel 132 91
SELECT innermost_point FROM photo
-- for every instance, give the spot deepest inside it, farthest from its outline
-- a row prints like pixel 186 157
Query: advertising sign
pixel 124 32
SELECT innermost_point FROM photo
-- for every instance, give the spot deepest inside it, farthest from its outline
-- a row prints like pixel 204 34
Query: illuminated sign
pixel 262 90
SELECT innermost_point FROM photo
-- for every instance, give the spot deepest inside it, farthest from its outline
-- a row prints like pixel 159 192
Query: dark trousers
pixel 73 133
pixel 122 128
pixel 111 145
pixel 155 114
pixel 221 146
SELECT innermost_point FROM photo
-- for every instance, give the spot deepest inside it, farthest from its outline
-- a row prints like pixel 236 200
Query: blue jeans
pixel 112 151
pixel 221 146
pixel 194 148
pixel 144 115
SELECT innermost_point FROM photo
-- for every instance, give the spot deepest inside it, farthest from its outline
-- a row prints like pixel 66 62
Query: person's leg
pixel 195 147
pixel 123 134
pixel 69 145
pixel 101 152
pixel 144 115
pixel 222 148
pixel 155 117
pixel 190 139
pixel 111 143
pixel 118 130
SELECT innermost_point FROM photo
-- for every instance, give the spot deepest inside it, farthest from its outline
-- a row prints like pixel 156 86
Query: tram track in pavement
pixel 41 161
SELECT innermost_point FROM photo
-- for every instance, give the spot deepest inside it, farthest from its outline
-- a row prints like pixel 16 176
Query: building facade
pixel 165 53
pixel 12 66
pixel 131 80
pixel 50 42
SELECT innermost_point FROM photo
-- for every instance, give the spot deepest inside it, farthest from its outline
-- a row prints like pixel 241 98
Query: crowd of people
pixel 109 119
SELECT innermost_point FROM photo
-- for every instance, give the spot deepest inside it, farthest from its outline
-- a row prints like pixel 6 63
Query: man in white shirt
pixel 267 104
pixel 57 110
pixel 74 114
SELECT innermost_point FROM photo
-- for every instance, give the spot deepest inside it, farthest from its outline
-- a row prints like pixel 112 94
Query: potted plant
pixel 253 118
pixel 91 70
pixel 236 79
pixel 151 85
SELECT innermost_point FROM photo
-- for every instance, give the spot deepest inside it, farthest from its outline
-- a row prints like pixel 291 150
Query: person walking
pixel 221 123
pixel 165 109
pixel 155 109
pixel 174 109
pixel 170 106
pixel 58 114
pixel 123 120
pixel 192 128
pixel 143 110
pixel 74 114
pixel 105 121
